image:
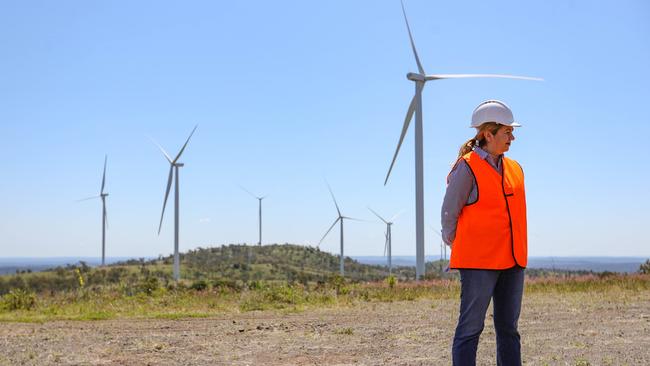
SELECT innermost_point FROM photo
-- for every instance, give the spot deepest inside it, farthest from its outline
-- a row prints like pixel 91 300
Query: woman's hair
pixel 479 139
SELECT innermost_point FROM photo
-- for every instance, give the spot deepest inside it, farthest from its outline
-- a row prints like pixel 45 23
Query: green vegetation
pixel 287 263
pixel 239 278
pixel 344 331
pixel 231 266
pixel 180 301
pixel 391 281
pixel 18 299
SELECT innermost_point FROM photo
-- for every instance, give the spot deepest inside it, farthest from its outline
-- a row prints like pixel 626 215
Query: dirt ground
pixel 557 329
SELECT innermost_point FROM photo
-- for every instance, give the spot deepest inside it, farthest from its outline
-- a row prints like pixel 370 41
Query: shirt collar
pixel 484 154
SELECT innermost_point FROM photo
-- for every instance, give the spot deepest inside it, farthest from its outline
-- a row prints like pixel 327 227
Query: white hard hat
pixel 493 111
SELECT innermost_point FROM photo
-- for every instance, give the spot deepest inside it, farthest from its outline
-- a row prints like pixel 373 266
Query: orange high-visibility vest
pixel 491 233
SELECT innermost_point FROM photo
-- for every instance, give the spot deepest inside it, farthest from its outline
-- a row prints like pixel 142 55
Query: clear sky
pixel 290 93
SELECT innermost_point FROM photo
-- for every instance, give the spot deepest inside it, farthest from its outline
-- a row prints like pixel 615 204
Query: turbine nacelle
pixel 416 77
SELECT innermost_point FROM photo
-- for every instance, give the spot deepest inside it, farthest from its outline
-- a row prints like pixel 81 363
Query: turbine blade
pixel 376 214
pixel 396 216
pixel 386 243
pixel 405 127
pixel 104 176
pixel 247 191
pixel 169 186
pixel 335 204
pixel 467 76
pixel 353 218
pixel 161 149
pixel 417 59
pixel 328 230
pixel 183 148
pixel 436 231
pixel 87 198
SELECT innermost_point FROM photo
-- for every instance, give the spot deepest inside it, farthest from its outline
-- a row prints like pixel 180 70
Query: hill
pixel 276 262
pixel 231 265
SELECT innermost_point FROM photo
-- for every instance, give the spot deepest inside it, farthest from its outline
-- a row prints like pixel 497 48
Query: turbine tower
pixel 389 238
pixel 259 198
pixel 103 196
pixel 420 78
pixel 340 219
pixel 173 173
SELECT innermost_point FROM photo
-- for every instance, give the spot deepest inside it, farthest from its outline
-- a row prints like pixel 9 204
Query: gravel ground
pixel 557 329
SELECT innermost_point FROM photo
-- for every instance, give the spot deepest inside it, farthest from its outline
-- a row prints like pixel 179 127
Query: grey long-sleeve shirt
pixel 461 191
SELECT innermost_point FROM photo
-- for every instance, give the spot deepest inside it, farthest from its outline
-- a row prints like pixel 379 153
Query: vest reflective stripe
pixel 491 233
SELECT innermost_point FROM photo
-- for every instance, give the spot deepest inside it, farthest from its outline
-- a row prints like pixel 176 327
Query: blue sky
pixel 290 93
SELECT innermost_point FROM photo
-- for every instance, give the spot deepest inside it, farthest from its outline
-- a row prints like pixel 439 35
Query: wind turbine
pixel 259 198
pixel 389 237
pixel 443 248
pixel 173 173
pixel 420 78
pixel 103 196
pixel 340 219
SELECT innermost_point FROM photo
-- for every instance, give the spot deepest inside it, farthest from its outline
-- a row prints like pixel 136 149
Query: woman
pixel 484 222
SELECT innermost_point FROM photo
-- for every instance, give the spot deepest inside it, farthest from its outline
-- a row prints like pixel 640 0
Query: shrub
pixel 338 283
pixel 80 277
pixel 284 294
pixel 148 285
pixel 344 331
pixel 199 285
pixel 226 284
pixel 255 285
pixel 391 281
pixel 18 299
pixel 15 282
pixel 645 267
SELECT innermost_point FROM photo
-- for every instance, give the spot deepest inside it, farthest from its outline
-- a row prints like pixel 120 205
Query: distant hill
pixel 595 264
pixel 35 264
pixel 276 262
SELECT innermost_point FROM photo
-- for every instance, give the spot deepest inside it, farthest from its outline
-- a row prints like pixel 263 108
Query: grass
pixel 344 331
pixel 113 302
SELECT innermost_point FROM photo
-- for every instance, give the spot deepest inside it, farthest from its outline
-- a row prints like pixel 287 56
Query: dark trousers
pixel 477 288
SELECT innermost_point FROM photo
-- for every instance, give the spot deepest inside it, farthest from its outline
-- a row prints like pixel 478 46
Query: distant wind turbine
pixel 103 196
pixel 389 237
pixel 173 172
pixel 443 248
pixel 420 78
pixel 340 219
pixel 259 198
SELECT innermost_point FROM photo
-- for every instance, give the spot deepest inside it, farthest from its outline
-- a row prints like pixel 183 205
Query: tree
pixel 645 267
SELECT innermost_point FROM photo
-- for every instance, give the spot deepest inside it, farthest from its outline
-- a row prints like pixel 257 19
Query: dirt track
pixel 579 329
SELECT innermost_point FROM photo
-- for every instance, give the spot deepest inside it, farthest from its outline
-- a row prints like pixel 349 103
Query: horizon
pixel 287 95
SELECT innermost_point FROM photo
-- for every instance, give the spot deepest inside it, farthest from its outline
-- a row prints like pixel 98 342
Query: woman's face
pixel 499 143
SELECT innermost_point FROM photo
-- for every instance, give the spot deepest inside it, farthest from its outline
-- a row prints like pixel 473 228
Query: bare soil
pixel 557 329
